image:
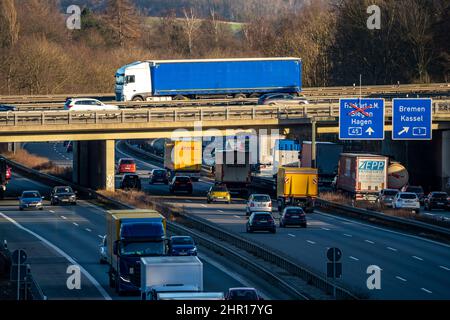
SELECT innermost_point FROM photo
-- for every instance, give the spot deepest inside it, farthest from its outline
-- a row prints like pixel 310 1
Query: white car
pixel 87 104
pixel 258 203
pixel 406 200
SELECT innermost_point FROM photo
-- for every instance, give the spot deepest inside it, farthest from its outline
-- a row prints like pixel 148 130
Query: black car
pixel 6 108
pixel 261 221
pixel 63 194
pixel 436 200
pixel 243 294
pixel 158 175
pixel 181 183
pixel 130 181
pixel 293 216
pixel 418 190
pixel 182 246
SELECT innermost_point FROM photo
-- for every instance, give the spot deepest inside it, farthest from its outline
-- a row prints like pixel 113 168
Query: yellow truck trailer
pixel 130 235
pixel 183 158
pixel 297 187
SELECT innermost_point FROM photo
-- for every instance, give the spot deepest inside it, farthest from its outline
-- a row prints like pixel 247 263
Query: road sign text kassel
pixel 412 119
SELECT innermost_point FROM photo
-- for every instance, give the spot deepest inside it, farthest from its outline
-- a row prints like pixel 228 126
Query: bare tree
pixel 9 25
pixel 190 26
pixel 123 20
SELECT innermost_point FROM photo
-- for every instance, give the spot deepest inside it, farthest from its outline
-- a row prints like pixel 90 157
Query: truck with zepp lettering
pixel 362 176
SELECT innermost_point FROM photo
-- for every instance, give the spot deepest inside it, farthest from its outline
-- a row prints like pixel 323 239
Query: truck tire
pixel 138 99
pixel 180 97
pixel 240 96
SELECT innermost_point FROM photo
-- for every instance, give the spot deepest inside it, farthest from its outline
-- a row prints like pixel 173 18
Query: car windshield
pixel 440 195
pixel 131 178
pixel 415 189
pixel 261 198
pixel 31 195
pixel 294 212
pixel 64 190
pixel 390 192
pixel 262 216
pixel 142 249
pixel 408 196
pixel 182 179
pixel 243 295
pixel 182 240
pixel 219 189
pixel 159 172
pixel 127 161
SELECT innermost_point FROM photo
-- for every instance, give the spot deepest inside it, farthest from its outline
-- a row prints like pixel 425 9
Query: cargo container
pixel 163 80
pixel 327 159
pixel 362 175
pixel 297 187
pixel 183 158
pixel 233 170
pixel 130 235
pixel 169 275
pixel 286 153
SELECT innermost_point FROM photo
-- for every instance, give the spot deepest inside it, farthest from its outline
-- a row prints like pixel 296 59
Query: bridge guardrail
pixel 441 110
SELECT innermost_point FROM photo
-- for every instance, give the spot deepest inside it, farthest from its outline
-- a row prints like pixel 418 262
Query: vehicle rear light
pixel 270 204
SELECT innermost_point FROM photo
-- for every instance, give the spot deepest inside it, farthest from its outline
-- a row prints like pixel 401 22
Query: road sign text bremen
pixel 412 119
pixel 361 119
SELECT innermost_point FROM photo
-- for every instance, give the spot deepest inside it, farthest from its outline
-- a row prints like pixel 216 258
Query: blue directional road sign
pixel 412 119
pixel 361 119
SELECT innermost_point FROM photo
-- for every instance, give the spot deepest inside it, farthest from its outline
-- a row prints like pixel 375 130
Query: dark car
pixel 159 175
pixel 261 221
pixel 130 181
pixel 63 194
pixel 6 108
pixel 182 246
pixel 181 183
pixel 293 216
pixel 242 294
pixel 436 200
pixel 418 190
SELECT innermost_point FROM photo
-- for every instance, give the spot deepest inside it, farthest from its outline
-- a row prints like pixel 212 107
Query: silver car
pixel 386 197
pixel 31 199
pixel 282 99
pixel 258 202
pixel 103 250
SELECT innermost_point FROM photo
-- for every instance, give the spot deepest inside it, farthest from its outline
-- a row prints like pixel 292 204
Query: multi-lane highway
pixel 412 267
pixel 60 236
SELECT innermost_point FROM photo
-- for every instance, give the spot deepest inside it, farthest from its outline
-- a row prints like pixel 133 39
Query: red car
pixel 126 166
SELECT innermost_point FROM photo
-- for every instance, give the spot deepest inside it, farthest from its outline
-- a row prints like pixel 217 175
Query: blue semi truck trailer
pixel 163 80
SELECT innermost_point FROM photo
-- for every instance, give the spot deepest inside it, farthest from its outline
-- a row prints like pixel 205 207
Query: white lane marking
pixel 75 224
pixel 52 211
pixel 417 258
pixel 220 211
pixel 187 200
pixel 326 229
pixel 353 258
pixel 204 205
pixel 392 249
pixel 368 241
pixel 231 274
pixel 88 230
pixel 348 235
pixel 237 217
pixel 100 236
pixel 62 217
pixel 311 242
pixel 381 229
pixel 62 253
pixel 400 278
pixel 291 235
pixel 426 290
pixel 445 268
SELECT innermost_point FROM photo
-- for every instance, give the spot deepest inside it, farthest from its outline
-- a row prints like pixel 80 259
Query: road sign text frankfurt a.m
pixel 361 119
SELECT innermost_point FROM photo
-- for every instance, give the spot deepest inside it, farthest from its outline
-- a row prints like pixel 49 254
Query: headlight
pixel 56 196
pixel 125 279
pixel 72 197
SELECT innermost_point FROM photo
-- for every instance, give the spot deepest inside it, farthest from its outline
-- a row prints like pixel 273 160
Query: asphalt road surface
pixel 60 236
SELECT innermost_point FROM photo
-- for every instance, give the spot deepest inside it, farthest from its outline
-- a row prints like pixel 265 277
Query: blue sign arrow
pixel 412 119
pixel 361 119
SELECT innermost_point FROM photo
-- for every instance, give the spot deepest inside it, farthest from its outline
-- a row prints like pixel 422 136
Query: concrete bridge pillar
pixel 93 164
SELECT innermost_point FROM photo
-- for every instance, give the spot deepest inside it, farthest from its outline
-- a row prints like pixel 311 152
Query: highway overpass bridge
pixel 96 132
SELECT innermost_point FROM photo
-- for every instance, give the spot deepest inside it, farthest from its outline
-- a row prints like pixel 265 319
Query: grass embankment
pixel 39 163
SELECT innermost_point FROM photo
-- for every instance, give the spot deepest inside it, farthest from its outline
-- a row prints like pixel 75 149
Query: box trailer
pixel 233 170
pixel 362 176
pixel 183 158
pixel 163 80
